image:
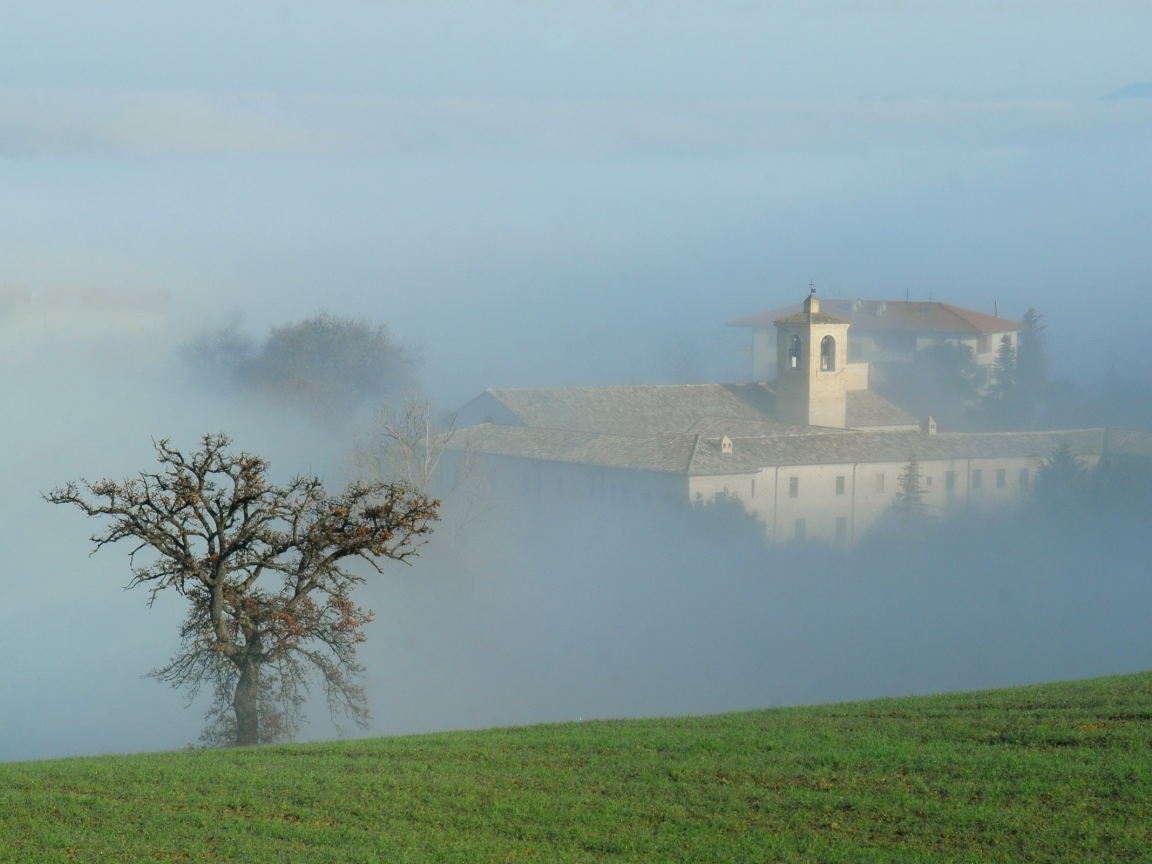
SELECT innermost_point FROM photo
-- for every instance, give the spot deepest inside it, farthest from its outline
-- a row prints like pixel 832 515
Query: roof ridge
pixel 959 312
pixel 600 387
pixel 692 455
pixel 1033 431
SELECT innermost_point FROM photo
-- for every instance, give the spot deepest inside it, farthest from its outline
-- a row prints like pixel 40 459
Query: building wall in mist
pixel 838 503
pixel 832 503
pixel 538 480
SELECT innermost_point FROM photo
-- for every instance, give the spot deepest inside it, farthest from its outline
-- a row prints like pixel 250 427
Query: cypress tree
pixel 910 503
pixel 1031 359
pixel 1002 400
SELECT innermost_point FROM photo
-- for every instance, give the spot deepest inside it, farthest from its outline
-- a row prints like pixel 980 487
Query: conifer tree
pixel 1031 360
pixel 1002 399
pixel 1062 483
pixel 910 503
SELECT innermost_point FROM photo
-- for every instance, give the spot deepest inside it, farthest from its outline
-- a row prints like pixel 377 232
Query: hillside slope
pixel 1043 773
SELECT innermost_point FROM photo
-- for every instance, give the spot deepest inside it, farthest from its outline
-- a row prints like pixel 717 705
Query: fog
pixel 534 194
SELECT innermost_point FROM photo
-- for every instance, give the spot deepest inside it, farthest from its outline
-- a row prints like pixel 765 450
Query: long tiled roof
pixel 752 454
pixel 870 315
pixel 645 410
pixel 640 411
pixel 668 453
pixel 867 409
pixel 698 455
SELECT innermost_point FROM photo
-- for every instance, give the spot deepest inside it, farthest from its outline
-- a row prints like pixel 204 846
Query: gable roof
pixel 667 454
pixel 696 455
pixel 642 411
pixel 871 315
pixel 867 409
pixel 638 411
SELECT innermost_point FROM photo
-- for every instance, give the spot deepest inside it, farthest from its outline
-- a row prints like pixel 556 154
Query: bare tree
pixel 407 444
pixel 263 568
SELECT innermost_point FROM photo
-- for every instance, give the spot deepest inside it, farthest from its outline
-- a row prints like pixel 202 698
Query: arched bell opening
pixel 827 354
pixel 794 353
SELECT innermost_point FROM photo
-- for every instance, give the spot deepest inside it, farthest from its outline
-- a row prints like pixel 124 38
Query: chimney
pixel 726 445
pixel 881 308
pixel 930 426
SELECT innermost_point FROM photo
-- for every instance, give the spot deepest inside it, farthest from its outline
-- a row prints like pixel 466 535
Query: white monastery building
pixel 813 455
pixel 888 332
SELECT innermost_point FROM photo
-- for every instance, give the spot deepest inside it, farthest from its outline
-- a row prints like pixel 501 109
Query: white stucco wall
pixel 863 501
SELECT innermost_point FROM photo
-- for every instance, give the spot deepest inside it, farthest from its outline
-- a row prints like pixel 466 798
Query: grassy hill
pixel 1056 772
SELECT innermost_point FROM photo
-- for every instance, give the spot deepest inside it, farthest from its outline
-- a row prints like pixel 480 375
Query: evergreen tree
pixel 1062 483
pixel 910 503
pixel 1004 372
pixel 1002 401
pixel 1031 360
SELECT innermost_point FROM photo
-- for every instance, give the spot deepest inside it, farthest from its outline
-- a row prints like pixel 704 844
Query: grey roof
pixel 752 454
pixel 1128 442
pixel 639 411
pixel 697 455
pixel 645 410
pixel 868 409
pixel 714 427
pixel 666 453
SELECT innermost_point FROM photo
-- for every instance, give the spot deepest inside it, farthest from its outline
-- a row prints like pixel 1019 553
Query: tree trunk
pixel 246 705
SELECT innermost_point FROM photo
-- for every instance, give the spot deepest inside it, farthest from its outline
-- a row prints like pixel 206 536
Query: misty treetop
pixel 326 365
pixel 264 571
pixel 947 382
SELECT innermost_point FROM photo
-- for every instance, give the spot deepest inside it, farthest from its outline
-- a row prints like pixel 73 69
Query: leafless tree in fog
pixel 407 444
pixel 264 570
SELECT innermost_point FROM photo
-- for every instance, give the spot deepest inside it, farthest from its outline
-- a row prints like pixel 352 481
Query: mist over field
pixel 541 195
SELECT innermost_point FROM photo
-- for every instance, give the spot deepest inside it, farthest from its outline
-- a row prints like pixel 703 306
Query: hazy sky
pixel 539 193
pixel 529 193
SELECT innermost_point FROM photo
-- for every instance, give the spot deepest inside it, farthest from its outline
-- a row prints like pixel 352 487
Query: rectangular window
pixel 841 527
pixel 1001 478
pixel 1025 478
pixel 801 530
pixel 793 487
pixel 949 480
pixel 879 482
pixel 984 345
pixel 977 478
pixel 753 488
pixel 927 481
pixel 839 485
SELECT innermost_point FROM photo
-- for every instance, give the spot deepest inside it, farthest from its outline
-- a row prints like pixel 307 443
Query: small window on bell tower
pixel 794 353
pixel 827 354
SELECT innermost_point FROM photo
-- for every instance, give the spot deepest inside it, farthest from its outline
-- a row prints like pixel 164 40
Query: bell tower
pixel 811 367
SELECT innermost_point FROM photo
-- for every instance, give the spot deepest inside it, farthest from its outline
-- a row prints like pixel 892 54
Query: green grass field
pixel 1057 772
